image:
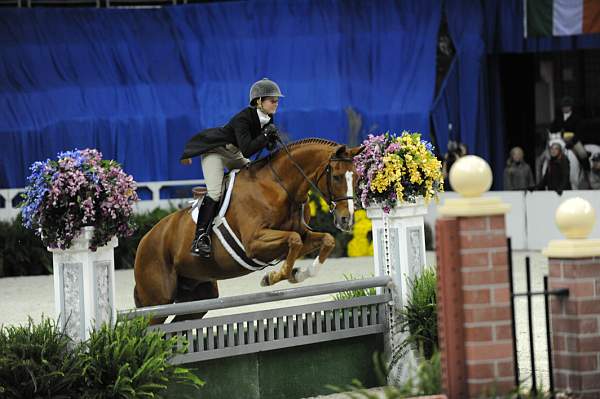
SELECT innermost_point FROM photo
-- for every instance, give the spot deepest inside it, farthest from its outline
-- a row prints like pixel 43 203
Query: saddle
pixel 221 228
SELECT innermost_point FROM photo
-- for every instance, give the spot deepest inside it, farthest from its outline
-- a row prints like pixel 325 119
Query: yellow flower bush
pixel 395 169
pixel 360 245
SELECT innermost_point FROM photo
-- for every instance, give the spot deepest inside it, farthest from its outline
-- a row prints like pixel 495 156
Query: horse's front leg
pixel 269 241
pixel 312 241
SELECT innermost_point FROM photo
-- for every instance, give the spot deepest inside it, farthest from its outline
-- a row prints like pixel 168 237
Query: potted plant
pixel 397 170
pixel 79 189
pixel 78 204
pixel 397 177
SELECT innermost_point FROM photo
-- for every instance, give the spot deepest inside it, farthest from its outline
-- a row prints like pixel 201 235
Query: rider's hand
pixel 271 132
pixel 186 161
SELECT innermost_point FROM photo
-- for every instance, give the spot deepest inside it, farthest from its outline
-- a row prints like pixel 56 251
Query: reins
pixel 330 201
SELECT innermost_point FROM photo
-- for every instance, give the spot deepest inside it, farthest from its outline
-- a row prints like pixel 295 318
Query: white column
pixel 399 252
pixel 399 244
pixel 84 285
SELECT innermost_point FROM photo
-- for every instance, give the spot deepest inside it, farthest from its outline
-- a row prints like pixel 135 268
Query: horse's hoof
pixel 297 275
pixel 265 281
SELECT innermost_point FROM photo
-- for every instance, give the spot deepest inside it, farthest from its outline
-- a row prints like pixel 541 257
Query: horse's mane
pixel 259 163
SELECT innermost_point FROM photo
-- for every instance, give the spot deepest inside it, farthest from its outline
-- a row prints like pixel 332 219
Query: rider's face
pixel 269 105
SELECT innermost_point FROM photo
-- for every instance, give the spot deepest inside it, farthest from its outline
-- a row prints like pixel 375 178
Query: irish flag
pixel 561 17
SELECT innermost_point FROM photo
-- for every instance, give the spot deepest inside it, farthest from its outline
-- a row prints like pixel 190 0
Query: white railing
pixel 10 195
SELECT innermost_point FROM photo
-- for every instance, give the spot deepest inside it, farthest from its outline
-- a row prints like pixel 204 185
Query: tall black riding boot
pixel 201 246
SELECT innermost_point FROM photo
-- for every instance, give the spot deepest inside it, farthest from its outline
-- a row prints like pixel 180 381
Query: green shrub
pixel 419 315
pixel 21 252
pixel 344 295
pixel 123 361
pixel 129 361
pixel 38 361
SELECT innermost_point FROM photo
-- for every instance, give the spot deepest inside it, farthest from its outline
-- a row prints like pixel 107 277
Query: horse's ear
pixel 357 150
pixel 340 152
pixel 354 151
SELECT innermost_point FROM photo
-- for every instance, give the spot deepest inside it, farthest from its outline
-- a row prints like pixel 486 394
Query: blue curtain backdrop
pixel 136 84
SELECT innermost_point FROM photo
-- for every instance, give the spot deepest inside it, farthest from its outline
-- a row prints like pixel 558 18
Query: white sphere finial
pixel 575 218
pixel 471 176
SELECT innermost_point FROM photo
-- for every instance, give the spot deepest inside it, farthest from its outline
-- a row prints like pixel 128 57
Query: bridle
pixel 332 202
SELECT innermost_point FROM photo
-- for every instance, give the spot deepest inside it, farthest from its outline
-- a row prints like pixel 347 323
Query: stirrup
pixel 202 246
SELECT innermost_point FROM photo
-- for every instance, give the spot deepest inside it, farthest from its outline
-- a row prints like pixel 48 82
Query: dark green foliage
pixel 124 361
pixel 37 361
pixel 419 315
pixel 129 361
pixel 21 252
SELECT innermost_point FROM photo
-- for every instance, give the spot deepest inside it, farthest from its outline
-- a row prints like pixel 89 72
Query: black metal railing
pixel 529 294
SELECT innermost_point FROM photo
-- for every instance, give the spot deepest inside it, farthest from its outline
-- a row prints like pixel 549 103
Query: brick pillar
pixel 474 265
pixel 576 325
pixel 574 263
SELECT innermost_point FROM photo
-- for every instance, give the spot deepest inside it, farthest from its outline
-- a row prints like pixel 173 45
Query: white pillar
pixel 399 244
pixel 399 252
pixel 84 286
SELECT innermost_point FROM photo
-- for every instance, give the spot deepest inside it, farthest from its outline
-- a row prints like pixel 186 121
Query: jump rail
pixel 243 333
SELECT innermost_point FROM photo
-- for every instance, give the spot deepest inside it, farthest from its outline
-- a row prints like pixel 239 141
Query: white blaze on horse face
pixel 350 194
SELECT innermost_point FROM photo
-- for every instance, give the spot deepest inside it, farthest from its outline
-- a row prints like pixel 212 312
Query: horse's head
pixel 337 182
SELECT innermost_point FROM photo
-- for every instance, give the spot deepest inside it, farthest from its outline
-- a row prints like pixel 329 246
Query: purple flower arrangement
pixel 397 169
pixel 76 190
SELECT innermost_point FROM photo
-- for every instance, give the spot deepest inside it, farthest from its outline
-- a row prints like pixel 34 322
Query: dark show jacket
pixel 243 131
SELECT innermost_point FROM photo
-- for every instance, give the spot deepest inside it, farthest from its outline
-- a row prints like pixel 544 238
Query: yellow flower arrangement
pixel 395 169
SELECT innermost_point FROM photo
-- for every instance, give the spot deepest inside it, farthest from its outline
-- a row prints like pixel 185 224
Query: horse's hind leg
pixel 190 290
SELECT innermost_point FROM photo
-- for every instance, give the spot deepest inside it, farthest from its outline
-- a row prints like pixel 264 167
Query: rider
pixel 230 146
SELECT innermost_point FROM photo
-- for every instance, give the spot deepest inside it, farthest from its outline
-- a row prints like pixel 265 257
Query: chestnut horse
pixel 267 213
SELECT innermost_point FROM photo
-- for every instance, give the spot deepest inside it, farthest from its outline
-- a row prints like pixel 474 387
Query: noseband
pixel 332 202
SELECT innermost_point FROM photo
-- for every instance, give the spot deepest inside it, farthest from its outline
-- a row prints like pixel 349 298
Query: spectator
pixel 556 176
pixel 595 171
pixel 517 174
pixel 455 151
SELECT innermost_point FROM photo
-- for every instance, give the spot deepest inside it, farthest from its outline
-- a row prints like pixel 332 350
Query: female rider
pixel 230 146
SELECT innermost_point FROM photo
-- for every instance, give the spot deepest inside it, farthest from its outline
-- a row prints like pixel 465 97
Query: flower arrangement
pixel 394 170
pixel 76 190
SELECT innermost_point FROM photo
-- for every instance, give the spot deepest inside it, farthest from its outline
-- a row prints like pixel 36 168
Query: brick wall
pixel 479 254
pixel 576 325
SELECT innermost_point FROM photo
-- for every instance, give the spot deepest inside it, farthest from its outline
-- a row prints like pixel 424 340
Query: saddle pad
pixel 225 234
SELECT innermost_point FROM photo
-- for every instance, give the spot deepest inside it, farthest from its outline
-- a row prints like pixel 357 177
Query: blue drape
pixel 136 84
pixel 469 97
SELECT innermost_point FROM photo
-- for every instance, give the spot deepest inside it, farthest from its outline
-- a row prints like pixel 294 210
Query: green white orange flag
pixel 561 17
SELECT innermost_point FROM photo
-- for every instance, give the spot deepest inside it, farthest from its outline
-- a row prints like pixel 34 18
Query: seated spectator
pixel 556 175
pixel 595 171
pixel 517 174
